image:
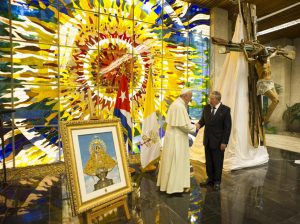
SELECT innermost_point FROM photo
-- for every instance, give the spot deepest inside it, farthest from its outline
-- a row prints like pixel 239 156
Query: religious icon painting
pixel 96 162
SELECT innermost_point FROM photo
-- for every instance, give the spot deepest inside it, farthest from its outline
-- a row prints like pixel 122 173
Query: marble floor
pixel 290 143
pixel 265 194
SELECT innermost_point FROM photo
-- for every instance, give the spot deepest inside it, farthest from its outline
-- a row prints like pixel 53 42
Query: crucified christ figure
pixel 265 86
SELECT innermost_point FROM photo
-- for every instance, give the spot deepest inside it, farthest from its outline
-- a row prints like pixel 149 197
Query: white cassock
pixel 174 170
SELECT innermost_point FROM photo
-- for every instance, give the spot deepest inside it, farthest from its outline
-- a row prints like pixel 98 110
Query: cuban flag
pixel 122 111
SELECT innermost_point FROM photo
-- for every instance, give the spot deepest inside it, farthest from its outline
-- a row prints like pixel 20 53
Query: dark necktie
pixel 212 112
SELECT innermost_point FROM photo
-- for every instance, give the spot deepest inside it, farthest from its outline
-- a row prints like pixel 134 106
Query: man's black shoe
pixel 217 187
pixel 206 183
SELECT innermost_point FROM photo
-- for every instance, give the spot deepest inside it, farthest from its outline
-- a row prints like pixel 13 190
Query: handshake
pixel 197 125
pixel 197 128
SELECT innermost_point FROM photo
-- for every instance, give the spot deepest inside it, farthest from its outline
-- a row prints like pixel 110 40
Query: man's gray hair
pixel 216 94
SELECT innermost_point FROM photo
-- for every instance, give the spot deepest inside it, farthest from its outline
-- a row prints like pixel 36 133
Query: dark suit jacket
pixel 217 127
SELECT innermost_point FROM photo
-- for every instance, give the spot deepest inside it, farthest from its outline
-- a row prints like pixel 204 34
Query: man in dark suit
pixel 217 121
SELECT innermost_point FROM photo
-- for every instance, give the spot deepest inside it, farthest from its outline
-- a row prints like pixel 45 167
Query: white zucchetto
pixel 184 91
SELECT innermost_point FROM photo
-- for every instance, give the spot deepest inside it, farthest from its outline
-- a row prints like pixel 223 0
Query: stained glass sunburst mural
pixel 54 54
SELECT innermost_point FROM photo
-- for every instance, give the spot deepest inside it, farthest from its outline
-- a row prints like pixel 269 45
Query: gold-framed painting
pixel 96 162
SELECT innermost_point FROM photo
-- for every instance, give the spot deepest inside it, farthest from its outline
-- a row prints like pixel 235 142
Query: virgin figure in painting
pixel 99 163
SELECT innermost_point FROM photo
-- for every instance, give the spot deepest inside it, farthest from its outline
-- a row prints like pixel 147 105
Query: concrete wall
pixel 295 76
pixel 295 82
pixel 285 72
pixel 281 73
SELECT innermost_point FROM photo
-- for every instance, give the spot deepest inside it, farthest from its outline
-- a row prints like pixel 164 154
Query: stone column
pixel 295 80
pixel 219 29
pixel 295 76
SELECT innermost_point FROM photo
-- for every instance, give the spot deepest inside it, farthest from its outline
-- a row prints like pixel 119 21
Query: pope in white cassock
pixel 174 170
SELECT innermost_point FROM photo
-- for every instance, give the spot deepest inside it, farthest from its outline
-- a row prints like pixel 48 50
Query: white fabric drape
pixel 233 85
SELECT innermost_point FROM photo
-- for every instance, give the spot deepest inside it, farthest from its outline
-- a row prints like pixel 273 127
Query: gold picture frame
pixel 96 162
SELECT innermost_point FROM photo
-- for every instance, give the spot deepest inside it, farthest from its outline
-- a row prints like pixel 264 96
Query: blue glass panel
pixel 34 21
pixel 36 105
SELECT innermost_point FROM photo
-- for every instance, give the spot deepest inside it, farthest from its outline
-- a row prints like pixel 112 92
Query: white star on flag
pixel 123 97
